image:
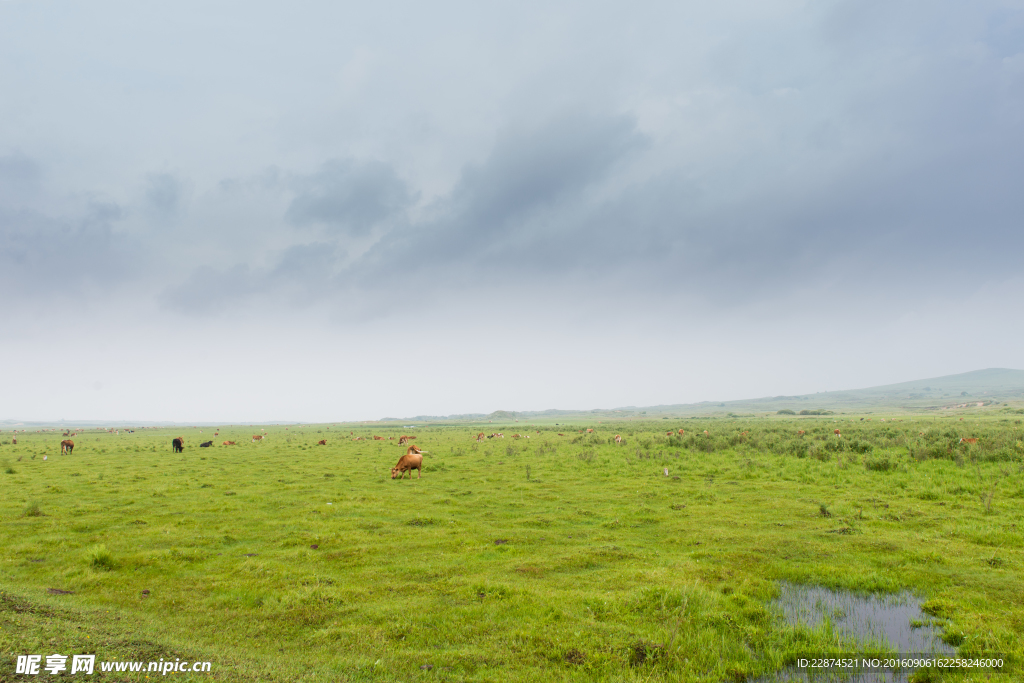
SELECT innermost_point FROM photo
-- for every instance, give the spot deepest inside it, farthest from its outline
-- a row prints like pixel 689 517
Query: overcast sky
pixel 247 211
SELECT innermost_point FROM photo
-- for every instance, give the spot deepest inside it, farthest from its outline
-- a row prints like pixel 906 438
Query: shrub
pixel 785 411
pixel 879 464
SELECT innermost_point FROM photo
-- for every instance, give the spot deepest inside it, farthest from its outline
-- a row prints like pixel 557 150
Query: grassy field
pixel 558 557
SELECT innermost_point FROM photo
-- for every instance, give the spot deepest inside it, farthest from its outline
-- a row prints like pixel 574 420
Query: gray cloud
pixel 348 197
pixel 64 259
pixel 163 196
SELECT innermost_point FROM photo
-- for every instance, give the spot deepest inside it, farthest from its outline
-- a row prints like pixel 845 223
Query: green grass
pixel 553 558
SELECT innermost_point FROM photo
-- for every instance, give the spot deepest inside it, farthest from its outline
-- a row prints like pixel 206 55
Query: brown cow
pixel 480 436
pixel 378 438
pixel 618 439
pixel 412 460
pixel 561 434
pixel 590 431
pixel 669 433
pixel 517 436
pixel 968 441
pixel 801 433
pixel 681 432
pixel 705 432
pixel 404 439
pixel 257 437
pixel 67 446
pixel 837 433
pixel 321 442
pixel 228 443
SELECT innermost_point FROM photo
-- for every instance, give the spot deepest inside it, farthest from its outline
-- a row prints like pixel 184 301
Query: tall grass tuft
pixel 32 510
pixel 101 558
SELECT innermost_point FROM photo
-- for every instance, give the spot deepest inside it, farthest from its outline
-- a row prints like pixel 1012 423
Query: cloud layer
pixel 741 161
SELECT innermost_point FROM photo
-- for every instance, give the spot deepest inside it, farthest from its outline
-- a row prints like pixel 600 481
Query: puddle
pixel 863 624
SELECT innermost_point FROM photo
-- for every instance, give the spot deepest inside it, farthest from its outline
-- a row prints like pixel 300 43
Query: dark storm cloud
pixel 348 197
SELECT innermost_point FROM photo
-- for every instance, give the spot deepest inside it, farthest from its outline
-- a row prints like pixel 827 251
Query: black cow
pixel 206 444
pixel 178 444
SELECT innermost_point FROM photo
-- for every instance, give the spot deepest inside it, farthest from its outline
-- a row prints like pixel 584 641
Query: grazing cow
pixel 618 439
pixel 67 446
pixel 206 444
pixel 378 438
pixel 681 432
pixel 228 443
pixel 705 432
pixel 669 433
pixel 321 442
pixel 801 433
pixel 404 439
pixel 516 436
pixel 480 436
pixel 968 441
pixel 412 460
pixel 561 434
pixel 257 437
pixel 178 444
pixel 590 431
pixel 836 432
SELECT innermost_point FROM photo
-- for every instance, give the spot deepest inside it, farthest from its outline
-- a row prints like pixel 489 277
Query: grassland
pixel 550 558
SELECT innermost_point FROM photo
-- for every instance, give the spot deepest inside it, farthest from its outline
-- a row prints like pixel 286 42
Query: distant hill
pixel 993 385
pixel 988 387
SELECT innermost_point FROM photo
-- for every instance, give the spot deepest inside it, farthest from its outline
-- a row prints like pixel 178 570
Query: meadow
pixel 558 557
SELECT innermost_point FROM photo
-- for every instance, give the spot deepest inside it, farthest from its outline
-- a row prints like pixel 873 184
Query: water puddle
pixel 860 625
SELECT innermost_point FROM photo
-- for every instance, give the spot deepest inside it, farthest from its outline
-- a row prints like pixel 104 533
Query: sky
pixel 326 211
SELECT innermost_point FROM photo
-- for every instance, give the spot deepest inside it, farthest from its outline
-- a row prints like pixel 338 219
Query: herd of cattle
pixel 413 458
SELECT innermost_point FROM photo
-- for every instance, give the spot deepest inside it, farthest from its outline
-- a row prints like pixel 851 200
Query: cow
pixel 178 444
pixel 378 438
pixel 705 432
pixel 800 432
pixel 412 460
pixel 404 439
pixel 358 438
pixel 618 439
pixel 257 437
pixel 968 441
pixel 228 443
pixel 836 432
pixel 560 434
pixel 590 431
pixel 321 442
pixel 67 446
pixel 480 436
pixel 206 444
pixel 517 436
pixel 669 433
pixel 681 432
